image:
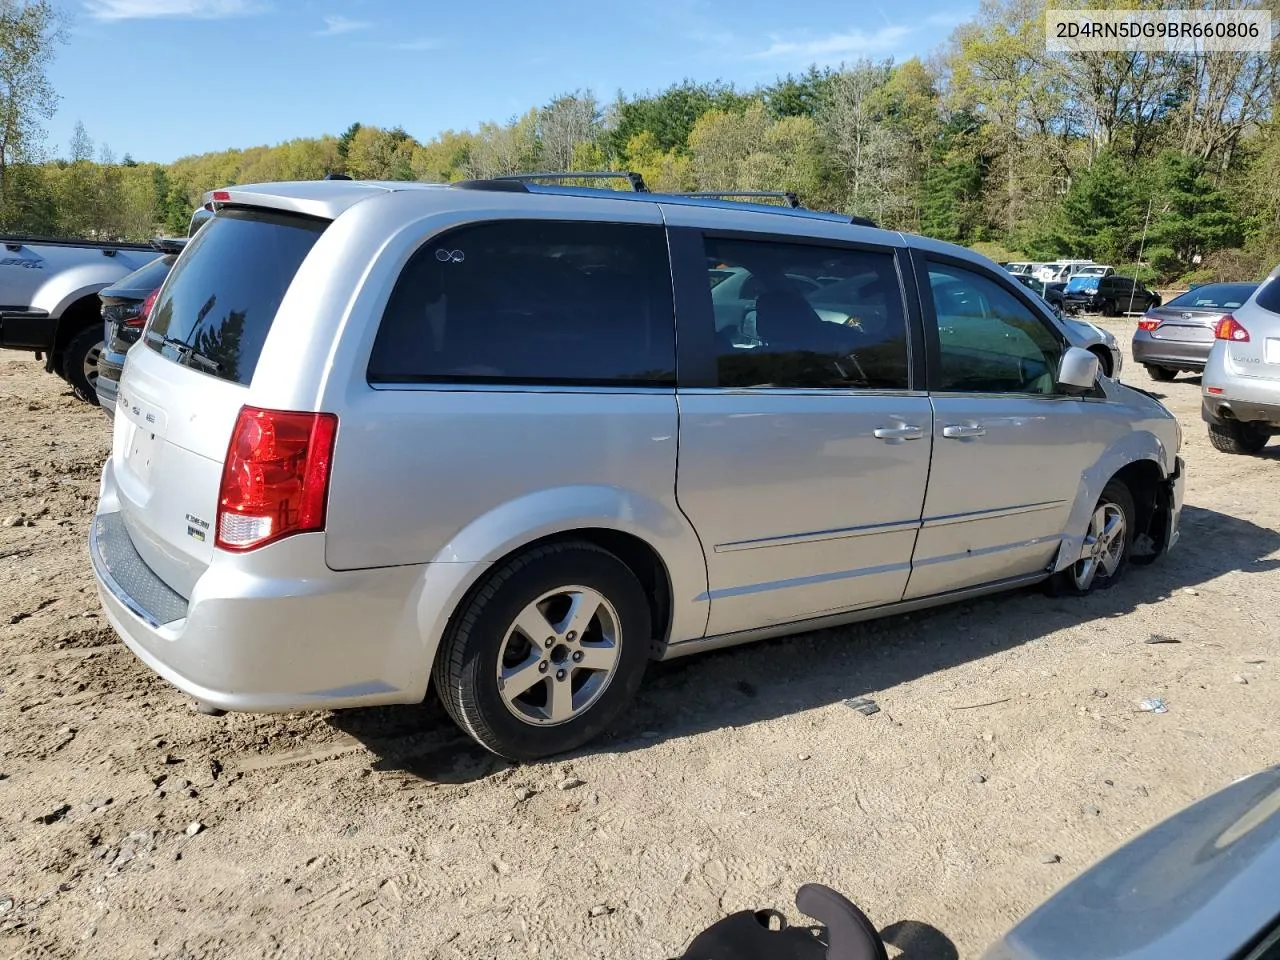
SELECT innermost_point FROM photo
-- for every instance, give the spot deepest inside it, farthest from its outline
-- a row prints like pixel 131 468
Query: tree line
pixel 1170 159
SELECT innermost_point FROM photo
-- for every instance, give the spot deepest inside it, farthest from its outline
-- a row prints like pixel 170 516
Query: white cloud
pixel 155 9
pixel 835 46
pixel 947 19
pixel 335 25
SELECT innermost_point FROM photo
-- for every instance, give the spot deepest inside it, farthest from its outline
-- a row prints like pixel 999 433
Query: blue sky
pixel 163 78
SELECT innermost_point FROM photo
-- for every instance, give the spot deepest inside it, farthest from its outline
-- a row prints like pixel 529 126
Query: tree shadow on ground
pixel 759 682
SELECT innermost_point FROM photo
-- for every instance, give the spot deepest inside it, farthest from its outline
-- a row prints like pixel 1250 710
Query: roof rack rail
pixel 858 221
pixel 793 201
pixel 633 178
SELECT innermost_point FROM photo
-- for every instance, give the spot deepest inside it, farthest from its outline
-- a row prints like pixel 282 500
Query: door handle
pixel 962 431
pixel 905 432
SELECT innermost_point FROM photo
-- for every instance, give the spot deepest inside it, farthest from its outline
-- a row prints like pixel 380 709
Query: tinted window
pixel 533 301
pixel 808 317
pixel 1269 296
pixel 989 341
pixel 1212 296
pixel 221 298
pixel 143 280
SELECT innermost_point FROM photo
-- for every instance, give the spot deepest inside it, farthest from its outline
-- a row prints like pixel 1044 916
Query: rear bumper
pixel 247 640
pixel 1169 353
pixel 1221 410
pixel 108 383
pixel 1226 396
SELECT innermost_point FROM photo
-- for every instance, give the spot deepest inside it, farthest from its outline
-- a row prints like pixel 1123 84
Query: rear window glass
pixel 143 280
pixel 532 302
pixel 1226 296
pixel 218 306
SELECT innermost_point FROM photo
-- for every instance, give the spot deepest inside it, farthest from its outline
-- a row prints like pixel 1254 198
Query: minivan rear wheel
pixel 547 652
pixel 1243 438
pixel 1108 543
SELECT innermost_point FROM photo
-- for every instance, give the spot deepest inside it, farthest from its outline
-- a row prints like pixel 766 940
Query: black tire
pixel 80 354
pixel 1238 438
pixel 1163 374
pixel 1108 308
pixel 466 666
pixel 1066 582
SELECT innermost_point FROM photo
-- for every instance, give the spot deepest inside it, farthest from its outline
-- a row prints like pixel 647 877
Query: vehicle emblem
pixel 1186 316
pixel 450 256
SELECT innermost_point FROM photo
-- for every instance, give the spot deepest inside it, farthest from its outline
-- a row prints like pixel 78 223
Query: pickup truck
pixel 49 300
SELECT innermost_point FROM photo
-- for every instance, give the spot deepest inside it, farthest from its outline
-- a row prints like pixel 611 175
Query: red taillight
pixel 275 480
pixel 1229 328
pixel 139 319
pixel 1148 322
pixel 1216 391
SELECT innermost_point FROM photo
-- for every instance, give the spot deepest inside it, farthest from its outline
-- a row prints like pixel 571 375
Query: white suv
pixel 507 440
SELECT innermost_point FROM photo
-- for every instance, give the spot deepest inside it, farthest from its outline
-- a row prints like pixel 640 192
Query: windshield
pixel 1213 296
pixel 1082 283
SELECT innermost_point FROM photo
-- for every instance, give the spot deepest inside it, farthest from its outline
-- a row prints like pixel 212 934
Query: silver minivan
pixel 506 440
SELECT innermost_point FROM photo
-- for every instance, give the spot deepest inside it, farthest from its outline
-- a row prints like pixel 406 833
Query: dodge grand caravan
pixel 506 441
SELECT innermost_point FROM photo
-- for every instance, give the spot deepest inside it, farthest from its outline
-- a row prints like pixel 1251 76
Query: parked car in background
pixel 1111 296
pixel 1201 884
pixel 125 306
pixel 1240 387
pixel 1095 270
pixel 49 301
pixel 1051 293
pixel 303 507
pixel 1060 270
pixel 1177 336
pixel 1020 269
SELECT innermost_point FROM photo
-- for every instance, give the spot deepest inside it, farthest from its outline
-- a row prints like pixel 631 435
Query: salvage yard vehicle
pixel 1240 386
pixel 1176 337
pixel 381 438
pixel 1111 296
pixel 125 305
pixel 49 301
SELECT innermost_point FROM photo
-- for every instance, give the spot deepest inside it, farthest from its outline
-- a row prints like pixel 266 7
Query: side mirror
pixel 1078 371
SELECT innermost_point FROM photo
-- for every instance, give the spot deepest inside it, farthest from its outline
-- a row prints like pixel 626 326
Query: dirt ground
pixel 1008 755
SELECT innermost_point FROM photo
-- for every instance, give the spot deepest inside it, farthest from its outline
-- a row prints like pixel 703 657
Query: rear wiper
pixel 186 352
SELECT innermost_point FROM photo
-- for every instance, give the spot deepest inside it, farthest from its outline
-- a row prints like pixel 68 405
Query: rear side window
pixel 532 302
pixel 217 308
pixel 1269 295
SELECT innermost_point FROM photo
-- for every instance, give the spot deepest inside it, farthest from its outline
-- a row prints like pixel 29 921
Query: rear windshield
pixel 1082 283
pixel 217 308
pixel 1226 296
pixel 142 281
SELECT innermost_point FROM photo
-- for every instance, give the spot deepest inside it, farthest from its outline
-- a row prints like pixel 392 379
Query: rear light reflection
pixel 275 481
pixel 1214 390
pixel 1229 328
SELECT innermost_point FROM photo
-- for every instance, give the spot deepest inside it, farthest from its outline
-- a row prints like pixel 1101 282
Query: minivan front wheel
pixel 547 652
pixel 1108 542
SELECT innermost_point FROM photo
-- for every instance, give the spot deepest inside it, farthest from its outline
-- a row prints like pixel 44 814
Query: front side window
pixel 807 317
pixel 533 302
pixel 989 342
